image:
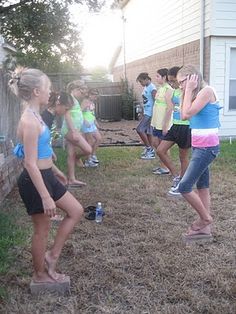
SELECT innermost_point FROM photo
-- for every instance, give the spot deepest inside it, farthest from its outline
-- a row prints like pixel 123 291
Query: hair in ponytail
pixel 24 81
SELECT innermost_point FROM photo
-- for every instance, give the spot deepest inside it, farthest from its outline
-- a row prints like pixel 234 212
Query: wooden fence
pixel 109 108
pixel 9 117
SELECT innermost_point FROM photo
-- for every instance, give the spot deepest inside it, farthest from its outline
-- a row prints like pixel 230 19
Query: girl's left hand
pixel 164 130
pixel 192 82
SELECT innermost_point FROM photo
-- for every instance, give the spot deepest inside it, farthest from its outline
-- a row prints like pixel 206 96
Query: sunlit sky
pixel 101 34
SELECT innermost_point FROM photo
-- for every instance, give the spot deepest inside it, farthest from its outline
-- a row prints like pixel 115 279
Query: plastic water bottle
pixel 99 213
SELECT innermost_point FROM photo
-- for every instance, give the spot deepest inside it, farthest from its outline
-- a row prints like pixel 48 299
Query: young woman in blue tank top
pixel 201 107
pixel 40 183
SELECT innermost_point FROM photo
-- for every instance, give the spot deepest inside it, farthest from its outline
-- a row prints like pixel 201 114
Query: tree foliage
pixel 99 74
pixel 7 5
pixel 43 34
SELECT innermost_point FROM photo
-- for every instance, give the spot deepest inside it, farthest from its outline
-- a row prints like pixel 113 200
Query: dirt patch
pixel 119 133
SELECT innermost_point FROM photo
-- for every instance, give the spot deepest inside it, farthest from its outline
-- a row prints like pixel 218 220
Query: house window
pixel 232 80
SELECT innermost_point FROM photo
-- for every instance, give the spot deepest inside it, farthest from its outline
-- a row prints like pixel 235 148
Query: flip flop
pixel 200 234
pixel 90 212
pixel 78 184
pixel 198 228
pixel 89 208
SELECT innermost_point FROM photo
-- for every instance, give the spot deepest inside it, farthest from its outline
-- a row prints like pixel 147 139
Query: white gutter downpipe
pixel 202 26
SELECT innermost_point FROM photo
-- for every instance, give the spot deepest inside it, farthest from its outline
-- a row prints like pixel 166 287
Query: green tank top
pixel 176 100
pixel 89 116
pixel 76 116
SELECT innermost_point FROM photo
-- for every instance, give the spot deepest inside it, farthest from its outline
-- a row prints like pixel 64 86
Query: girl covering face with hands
pixel 201 106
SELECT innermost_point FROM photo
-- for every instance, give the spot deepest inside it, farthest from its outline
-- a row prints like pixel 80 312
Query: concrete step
pixel 61 287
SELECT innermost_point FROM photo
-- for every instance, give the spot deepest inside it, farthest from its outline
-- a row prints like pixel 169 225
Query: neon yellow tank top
pixel 160 107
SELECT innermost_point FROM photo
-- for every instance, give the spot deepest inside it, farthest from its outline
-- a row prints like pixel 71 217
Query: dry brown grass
pixel 135 262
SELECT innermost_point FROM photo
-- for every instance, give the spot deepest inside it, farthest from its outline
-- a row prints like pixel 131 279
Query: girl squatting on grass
pixel 71 130
pixel 201 107
pixel 39 187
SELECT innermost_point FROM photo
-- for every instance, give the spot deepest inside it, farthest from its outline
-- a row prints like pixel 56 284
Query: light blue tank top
pixel 44 142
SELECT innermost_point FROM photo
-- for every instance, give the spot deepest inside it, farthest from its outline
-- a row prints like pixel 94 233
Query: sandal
pixel 200 234
pixel 161 171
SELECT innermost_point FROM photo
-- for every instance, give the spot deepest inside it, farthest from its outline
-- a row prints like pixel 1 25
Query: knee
pixel 77 214
pixel 184 188
pixel 160 152
pixel 42 233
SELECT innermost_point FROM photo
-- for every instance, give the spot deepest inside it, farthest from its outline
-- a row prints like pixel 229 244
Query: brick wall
pixel 184 54
pixel 10 168
pixel 10 113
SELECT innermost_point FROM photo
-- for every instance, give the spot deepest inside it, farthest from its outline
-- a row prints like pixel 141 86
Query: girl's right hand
pixel 49 206
pixel 192 82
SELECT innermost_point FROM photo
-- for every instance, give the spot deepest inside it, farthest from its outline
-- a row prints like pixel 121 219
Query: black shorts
pixel 30 195
pixel 179 134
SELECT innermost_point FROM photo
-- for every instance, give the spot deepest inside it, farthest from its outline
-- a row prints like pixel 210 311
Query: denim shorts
pixel 91 128
pixel 198 169
pixel 158 133
pixel 145 125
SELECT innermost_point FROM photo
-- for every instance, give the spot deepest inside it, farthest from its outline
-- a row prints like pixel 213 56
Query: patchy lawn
pixel 134 262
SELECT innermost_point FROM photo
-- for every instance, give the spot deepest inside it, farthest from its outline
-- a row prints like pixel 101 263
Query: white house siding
pixel 223 32
pixel 153 26
pixel 219 78
pixel 224 18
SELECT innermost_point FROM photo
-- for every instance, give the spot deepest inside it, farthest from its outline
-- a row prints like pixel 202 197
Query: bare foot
pixel 76 183
pixel 205 230
pixel 51 267
pixel 43 278
pixel 200 224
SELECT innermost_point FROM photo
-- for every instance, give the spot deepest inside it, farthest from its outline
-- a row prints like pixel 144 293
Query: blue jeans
pixel 198 169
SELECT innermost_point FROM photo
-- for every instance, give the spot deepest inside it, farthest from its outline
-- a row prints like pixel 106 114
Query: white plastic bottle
pixel 99 213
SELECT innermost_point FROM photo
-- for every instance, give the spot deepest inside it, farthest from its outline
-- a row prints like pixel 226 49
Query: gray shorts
pixel 145 125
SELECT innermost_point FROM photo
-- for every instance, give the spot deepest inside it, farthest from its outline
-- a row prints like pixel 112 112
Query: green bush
pixel 128 99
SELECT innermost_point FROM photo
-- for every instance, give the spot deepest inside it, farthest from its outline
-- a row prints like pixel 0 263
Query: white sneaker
pixel 175 192
pixel 90 164
pixel 161 171
pixel 175 183
pixel 145 150
pixel 150 154
pixel 94 159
